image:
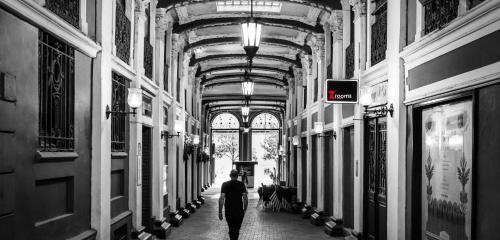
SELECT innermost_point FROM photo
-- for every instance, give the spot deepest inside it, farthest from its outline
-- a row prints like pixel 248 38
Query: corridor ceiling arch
pixel 328 5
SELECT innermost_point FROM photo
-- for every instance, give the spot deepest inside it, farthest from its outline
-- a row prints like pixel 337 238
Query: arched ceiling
pixel 213 34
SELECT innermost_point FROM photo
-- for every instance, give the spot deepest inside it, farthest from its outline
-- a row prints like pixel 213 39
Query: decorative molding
pixel 359 8
pixel 477 23
pixel 374 74
pixel 482 76
pixel 336 24
pixel 55 25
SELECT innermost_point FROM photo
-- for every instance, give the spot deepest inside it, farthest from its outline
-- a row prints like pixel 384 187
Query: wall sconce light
pixel 318 129
pixel 196 139
pixel 178 128
pixel 134 100
pixel 246 130
pixel 295 141
pixel 379 111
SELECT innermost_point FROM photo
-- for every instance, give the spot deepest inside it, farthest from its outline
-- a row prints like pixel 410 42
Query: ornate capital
pixel 191 76
pixel 306 61
pixel 345 4
pixel 162 20
pixel 359 7
pixel 140 6
pixel 336 24
pixel 319 47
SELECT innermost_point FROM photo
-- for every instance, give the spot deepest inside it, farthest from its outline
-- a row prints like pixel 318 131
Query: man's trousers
pixel 234 222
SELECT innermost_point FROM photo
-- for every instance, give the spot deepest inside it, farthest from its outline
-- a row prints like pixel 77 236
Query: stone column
pixel 158 162
pixel 320 59
pixel 396 125
pixel 336 26
pixel 359 7
pixel 135 191
pixel 100 204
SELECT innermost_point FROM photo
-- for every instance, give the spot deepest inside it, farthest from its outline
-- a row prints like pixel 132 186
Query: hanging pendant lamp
pixel 251 31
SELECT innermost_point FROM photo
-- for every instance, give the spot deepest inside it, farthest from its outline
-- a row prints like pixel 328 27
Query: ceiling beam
pixel 328 5
pixel 243 67
pixel 195 61
pixel 233 82
pixel 229 21
pixel 240 97
pixel 242 75
pixel 232 40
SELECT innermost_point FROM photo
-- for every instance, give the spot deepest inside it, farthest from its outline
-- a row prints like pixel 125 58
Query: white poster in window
pixel 447 171
pixel 139 170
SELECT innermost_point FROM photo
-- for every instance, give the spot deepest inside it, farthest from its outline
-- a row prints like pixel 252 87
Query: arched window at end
pixel 225 121
pixel 265 121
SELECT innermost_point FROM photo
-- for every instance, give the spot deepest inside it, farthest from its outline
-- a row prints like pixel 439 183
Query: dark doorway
pixel 303 168
pixel 146 179
pixel 314 171
pixel 348 177
pixel 375 191
pixel 328 174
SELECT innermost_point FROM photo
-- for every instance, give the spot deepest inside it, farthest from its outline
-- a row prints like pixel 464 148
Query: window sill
pixel 42 156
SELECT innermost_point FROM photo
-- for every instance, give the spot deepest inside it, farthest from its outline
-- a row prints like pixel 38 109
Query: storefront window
pixel 447 171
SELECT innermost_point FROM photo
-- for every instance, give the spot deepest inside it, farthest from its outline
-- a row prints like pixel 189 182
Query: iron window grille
pixel 56 83
pixel 122 33
pixel 438 14
pixel 379 32
pixel 68 10
pixel 119 121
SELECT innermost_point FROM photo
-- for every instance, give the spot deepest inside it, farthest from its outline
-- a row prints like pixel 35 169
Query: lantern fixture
pixel 251 31
pixel 319 127
pixel 196 139
pixel 178 128
pixel 134 101
pixel 245 110
pixel 247 85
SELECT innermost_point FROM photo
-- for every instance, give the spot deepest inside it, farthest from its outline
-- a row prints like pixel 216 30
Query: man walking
pixel 234 198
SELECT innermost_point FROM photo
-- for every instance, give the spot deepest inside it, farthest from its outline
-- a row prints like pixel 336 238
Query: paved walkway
pixel 257 224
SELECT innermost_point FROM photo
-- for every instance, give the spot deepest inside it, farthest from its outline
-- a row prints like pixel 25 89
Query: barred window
pixel 56 84
pixel 68 10
pixel 119 121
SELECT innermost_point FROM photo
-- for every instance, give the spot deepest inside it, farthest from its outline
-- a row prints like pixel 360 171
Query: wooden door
pixel 328 174
pixel 303 168
pixel 375 191
pixel 314 171
pixel 147 195
pixel 348 178
pixel 45 135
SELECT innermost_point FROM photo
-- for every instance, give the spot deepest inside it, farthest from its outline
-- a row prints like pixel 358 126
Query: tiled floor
pixel 257 224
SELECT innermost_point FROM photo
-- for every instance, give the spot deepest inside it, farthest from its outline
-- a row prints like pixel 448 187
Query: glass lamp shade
pixel 196 139
pixel 178 126
pixel 134 98
pixel 247 88
pixel 245 110
pixel 246 130
pixel 251 37
pixel 251 33
pixel 295 141
pixel 366 98
pixel 318 127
